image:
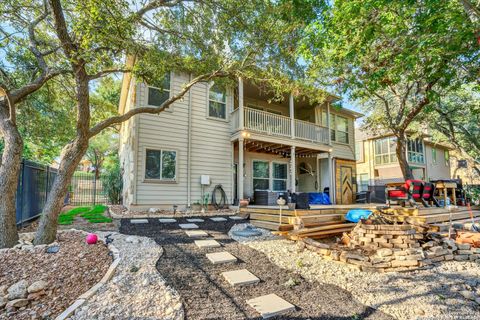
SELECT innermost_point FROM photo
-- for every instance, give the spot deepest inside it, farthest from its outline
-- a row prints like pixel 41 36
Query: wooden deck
pixel 325 221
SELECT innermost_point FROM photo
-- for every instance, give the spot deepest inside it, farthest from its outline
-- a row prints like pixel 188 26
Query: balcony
pixel 267 123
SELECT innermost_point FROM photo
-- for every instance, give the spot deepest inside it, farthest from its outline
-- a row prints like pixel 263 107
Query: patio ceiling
pixel 279 149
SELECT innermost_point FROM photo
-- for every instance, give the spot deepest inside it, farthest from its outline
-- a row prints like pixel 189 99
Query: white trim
pixel 160 180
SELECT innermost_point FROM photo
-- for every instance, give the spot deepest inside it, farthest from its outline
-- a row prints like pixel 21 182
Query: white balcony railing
pixel 277 125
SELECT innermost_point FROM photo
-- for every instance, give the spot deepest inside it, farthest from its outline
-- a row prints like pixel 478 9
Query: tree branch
pixel 106 72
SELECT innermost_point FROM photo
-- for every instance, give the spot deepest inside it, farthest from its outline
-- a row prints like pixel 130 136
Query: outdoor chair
pixel 428 194
pixel 396 192
pixel 362 197
pixel 415 191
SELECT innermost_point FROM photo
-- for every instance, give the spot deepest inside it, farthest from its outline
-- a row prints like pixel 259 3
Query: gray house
pixel 290 145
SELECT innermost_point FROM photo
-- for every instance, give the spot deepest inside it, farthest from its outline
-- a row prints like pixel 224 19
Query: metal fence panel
pixel 36 180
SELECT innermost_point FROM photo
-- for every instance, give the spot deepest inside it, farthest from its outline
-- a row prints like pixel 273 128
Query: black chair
pixel 362 197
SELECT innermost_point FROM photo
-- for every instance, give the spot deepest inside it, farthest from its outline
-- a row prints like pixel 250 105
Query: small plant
pixel 291 283
pixel 299 263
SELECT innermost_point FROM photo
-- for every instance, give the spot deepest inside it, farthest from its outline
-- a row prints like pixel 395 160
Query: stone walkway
pixel 209 278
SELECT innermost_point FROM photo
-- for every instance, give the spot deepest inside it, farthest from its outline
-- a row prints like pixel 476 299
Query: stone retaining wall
pixel 385 248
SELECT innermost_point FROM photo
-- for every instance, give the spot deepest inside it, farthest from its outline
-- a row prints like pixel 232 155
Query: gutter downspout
pixel 189 146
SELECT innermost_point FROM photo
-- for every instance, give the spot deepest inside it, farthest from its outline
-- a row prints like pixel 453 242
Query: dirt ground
pixel 206 295
pixel 70 272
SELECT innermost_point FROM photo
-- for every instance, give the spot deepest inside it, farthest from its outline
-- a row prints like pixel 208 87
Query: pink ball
pixel 91 238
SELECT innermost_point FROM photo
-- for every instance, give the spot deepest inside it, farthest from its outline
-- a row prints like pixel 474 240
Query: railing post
pixel 292 116
pixel 241 113
pixel 95 186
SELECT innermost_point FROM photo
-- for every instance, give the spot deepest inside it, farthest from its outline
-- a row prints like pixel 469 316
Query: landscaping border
pixel 178 215
pixel 90 292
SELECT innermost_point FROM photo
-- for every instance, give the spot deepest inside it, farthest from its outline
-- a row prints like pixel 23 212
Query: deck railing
pixel 277 125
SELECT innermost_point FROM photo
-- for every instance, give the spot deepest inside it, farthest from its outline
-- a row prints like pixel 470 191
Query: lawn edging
pixel 90 292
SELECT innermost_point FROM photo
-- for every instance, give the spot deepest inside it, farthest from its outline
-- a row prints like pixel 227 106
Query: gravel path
pixel 425 294
pixel 136 291
pixel 206 295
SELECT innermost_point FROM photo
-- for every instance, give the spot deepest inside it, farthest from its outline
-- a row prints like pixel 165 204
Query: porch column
pixel 241 113
pixel 292 116
pixel 240 169
pixel 329 135
pixel 331 175
pixel 292 169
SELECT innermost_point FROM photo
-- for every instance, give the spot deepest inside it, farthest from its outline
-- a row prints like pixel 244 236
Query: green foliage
pixel 93 214
pixel 112 182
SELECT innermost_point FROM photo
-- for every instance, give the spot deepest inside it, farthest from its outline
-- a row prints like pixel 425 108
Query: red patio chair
pixel 397 193
pixel 428 194
pixel 415 190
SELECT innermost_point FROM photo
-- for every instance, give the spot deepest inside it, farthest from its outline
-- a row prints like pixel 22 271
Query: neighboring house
pixel 213 130
pixel 465 168
pixel 377 160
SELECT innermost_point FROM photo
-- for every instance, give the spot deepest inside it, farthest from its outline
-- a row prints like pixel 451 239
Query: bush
pixel 112 182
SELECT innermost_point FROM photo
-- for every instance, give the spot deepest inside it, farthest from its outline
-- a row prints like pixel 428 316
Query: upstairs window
pixel 161 165
pixel 385 150
pixel 217 102
pixel 434 156
pixel 159 92
pixel 415 151
pixel 342 129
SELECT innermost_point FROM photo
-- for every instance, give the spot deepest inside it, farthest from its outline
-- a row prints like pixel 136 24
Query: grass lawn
pixel 94 214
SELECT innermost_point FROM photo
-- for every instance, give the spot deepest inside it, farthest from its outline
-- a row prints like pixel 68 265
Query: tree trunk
pixel 9 172
pixel 402 156
pixel 72 154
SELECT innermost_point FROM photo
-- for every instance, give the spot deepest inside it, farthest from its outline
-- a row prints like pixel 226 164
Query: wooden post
pixel 241 112
pixel 240 169
pixel 292 116
pixel 292 169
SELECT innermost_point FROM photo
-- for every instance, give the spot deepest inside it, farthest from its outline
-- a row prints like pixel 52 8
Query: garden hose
pixel 221 204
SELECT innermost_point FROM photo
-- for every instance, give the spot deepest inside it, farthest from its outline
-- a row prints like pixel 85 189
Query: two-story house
pixel 236 137
pixel 377 160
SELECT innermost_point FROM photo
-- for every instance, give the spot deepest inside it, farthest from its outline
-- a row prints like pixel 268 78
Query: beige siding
pixel 211 151
pixel 342 150
pixel 438 170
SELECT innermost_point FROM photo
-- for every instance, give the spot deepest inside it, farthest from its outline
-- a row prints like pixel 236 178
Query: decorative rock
pixel 3 291
pixel 131 239
pixel 3 302
pixel 18 290
pixel 153 210
pixel 36 295
pixel 17 303
pixel 37 286
pixel 464 246
pixel 469 295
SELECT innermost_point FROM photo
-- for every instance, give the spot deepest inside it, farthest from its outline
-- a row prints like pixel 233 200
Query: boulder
pixel 17 303
pixel 37 286
pixel 131 239
pixel 18 290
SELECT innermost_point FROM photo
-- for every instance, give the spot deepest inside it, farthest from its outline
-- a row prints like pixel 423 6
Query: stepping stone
pixel 240 277
pixel 196 233
pixel 138 221
pixel 188 226
pixel 237 218
pixel 195 220
pixel 218 219
pixel 207 243
pixel 270 305
pixel 221 257
pixel 167 220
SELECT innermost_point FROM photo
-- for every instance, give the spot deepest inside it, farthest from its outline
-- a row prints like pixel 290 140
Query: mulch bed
pixel 206 295
pixel 70 272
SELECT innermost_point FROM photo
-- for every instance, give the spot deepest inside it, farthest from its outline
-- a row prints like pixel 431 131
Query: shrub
pixel 112 182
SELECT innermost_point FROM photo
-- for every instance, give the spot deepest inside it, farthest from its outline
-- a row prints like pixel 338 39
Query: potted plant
pixel 243 203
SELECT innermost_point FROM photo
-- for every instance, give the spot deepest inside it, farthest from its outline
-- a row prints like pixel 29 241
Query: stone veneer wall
pixel 385 248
